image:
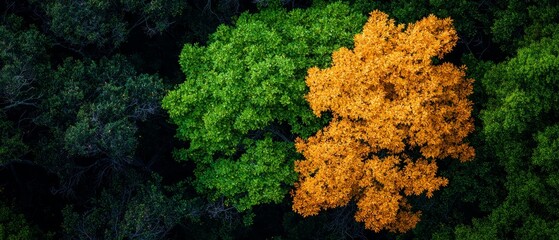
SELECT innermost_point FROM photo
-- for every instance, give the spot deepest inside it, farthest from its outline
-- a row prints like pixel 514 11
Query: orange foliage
pixel 394 114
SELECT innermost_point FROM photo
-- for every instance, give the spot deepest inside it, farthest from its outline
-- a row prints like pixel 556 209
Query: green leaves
pixel 11 144
pixel 524 90
pixel 95 106
pixel 107 23
pixel 470 17
pixel 89 138
pixel 13 226
pixel 131 208
pixel 546 154
pixel 23 63
pixel 242 101
pixel 518 23
pixel 258 176
pixel 521 128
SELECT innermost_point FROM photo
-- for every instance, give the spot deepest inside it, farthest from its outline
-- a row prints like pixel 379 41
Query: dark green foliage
pixel 80 124
pixel 107 23
pixel 469 17
pixel 89 138
pixel 546 154
pixel 243 100
pixel 11 145
pixel 22 63
pixel 521 128
pixel 475 188
pixel 130 209
pixel 333 224
pixel 14 226
pixel 259 175
pixel 518 23
pixel 95 105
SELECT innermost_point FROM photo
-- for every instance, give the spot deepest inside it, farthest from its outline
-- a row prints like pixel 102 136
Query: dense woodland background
pixel 88 152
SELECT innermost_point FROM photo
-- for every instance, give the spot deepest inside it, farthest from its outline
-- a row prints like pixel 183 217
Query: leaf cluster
pixel 242 100
pixel 394 114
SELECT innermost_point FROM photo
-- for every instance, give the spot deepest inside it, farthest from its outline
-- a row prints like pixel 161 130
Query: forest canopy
pixel 394 114
pixel 242 101
pixel 279 119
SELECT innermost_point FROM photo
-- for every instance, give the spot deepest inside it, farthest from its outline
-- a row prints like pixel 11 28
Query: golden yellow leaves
pixel 389 102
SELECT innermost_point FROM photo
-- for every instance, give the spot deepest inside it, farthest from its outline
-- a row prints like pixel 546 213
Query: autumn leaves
pixel 394 115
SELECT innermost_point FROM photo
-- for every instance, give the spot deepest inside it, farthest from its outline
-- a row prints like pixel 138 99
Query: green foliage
pixel 130 209
pixel 524 93
pixel 107 23
pixel 467 15
pixel 475 188
pixel 518 23
pixel 91 138
pixel 11 145
pixel 546 153
pixel 511 24
pixel 14 226
pixel 84 23
pixel 92 107
pixel 243 100
pixel 22 63
pixel 86 120
pixel 242 180
pixel 333 224
pixel 521 128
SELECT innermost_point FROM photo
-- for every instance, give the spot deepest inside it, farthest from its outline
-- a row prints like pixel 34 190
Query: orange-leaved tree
pixel 394 114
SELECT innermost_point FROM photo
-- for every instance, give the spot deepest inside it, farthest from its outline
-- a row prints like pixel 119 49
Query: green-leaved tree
pixel 521 126
pixel 242 101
